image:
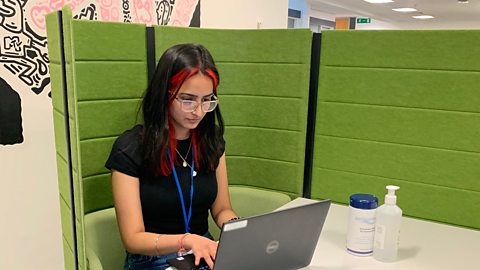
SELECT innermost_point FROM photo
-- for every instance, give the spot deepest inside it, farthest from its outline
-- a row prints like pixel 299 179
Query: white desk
pixel 423 245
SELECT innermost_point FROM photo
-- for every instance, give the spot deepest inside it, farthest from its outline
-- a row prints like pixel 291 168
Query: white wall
pixel 245 14
pixel 30 229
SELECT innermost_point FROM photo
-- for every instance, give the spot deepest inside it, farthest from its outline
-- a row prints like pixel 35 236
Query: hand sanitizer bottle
pixel 387 228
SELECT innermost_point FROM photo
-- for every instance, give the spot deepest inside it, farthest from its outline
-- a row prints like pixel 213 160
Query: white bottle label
pixel 361 229
pixel 380 231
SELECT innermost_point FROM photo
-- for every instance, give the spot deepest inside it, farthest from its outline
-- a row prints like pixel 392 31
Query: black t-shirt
pixel 159 196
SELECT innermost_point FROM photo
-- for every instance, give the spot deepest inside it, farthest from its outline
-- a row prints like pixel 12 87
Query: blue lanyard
pixel 180 193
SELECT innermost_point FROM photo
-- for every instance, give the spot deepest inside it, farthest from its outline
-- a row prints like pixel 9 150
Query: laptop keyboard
pixel 201 267
pixel 187 262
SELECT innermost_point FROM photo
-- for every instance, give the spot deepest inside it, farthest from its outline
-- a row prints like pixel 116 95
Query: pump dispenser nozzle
pixel 391 198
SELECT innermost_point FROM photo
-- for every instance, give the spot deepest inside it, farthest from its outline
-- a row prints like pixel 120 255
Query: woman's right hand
pixel 202 247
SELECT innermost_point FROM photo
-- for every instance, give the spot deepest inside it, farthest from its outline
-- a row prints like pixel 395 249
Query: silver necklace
pixel 185 163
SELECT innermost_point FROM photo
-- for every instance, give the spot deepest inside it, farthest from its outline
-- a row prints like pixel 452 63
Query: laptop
pixel 280 240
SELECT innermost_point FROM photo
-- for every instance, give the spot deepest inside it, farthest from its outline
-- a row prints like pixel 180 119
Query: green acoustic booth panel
pixel 105 74
pixel 263 94
pixel 403 108
pixel 110 74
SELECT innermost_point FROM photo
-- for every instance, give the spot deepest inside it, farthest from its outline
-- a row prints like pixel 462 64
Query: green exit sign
pixel 364 20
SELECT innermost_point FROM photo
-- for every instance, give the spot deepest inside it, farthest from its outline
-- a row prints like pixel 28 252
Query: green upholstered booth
pixel 99 71
pixel 403 108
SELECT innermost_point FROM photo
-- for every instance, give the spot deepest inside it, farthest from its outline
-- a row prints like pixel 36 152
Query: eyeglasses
pixel 189 105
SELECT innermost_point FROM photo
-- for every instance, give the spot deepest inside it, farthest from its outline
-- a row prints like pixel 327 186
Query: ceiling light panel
pixel 423 17
pixel 379 1
pixel 406 10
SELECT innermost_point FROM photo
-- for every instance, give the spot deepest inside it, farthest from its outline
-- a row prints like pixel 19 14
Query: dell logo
pixel 272 246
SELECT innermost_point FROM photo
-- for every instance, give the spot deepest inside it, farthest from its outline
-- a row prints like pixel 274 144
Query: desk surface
pixel 423 245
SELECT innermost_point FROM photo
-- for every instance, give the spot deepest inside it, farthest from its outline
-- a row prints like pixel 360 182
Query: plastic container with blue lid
pixel 361 225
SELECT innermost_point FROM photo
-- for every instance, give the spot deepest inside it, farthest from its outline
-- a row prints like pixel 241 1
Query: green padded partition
pixel 403 108
pixel 106 74
pixel 263 93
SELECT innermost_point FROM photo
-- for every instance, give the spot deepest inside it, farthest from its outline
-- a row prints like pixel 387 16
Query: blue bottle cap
pixel 363 201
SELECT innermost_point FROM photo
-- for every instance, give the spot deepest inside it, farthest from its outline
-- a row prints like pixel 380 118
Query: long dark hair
pixel 177 64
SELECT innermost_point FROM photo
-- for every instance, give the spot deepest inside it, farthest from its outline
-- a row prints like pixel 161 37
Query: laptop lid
pixel 281 240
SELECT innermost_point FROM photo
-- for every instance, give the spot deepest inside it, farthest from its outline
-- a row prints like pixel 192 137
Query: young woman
pixel 169 172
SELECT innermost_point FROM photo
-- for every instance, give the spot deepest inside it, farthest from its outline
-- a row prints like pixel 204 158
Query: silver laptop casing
pixel 281 240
